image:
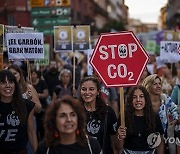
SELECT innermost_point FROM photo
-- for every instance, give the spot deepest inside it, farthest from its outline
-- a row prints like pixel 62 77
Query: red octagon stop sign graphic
pixel 119 59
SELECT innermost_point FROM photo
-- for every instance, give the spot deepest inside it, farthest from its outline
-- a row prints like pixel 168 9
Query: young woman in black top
pixel 100 118
pixel 16 117
pixel 143 131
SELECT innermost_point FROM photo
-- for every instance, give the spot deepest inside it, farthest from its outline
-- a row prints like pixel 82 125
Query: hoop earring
pixel 56 135
pixel 77 132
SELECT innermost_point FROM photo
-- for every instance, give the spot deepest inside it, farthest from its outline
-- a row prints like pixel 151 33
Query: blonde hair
pixel 149 80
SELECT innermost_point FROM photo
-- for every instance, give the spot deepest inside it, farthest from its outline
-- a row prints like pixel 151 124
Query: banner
pixel 63 38
pixel 89 67
pixel 45 61
pixel 150 46
pixel 170 51
pixel 25 45
pixel 171 35
pixel 15 29
pixel 81 38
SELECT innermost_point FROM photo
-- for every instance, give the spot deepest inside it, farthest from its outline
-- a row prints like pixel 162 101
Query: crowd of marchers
pixel 54 109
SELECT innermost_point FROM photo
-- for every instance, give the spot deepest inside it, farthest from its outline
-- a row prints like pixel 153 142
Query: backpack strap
pixel 105 130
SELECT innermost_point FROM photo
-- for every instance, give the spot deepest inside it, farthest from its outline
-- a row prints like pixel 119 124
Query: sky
pixel 145 10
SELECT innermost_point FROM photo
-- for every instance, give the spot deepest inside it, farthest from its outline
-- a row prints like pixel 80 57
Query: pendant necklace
pixel 139 128
pixel 139 131
pixel 90 114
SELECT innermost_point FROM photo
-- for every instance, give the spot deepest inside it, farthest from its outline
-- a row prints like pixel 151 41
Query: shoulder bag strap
pixel 47 152
pixel 105 130
pixel 89 145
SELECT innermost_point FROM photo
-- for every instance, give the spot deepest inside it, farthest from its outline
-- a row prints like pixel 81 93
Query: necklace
pixel 90 111
pixel 139 134
pixel 138 125
pixel 90 114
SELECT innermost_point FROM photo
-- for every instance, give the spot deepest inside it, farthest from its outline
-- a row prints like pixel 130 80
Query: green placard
pixel 45 61
pixel 50 21
pixel 55 11
pixel 150 45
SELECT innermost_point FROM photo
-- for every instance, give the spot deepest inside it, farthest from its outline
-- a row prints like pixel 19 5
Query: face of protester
pixel 166 70
pixel 53 66
pixel 34 76
pixel 65 78
pixel 16 74
pixel 89 92
pixel 138 102
pixel 156 87
pixel 66 120
pixel 6 90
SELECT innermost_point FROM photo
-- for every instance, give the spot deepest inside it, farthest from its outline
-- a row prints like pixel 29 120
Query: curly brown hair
pixel 149 114
pixel 50 120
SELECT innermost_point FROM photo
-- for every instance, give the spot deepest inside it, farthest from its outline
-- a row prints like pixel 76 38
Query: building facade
pixel 173 14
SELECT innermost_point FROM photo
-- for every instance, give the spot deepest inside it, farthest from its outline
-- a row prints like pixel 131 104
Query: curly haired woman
pixel 142 125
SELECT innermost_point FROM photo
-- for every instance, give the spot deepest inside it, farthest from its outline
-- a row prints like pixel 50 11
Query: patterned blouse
pixel 167 111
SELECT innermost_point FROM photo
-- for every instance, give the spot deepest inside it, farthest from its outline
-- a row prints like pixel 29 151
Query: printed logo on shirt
pixel 115 127
pixel 154 140
pixel 12 119
pixel 93 126
pixel 9 134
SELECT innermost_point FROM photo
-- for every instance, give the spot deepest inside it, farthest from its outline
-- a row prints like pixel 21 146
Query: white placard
pixel 89 67
pixel 25 45
pixel 170 51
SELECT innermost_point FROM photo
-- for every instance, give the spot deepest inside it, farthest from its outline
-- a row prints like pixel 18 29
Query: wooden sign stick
pixel 121 91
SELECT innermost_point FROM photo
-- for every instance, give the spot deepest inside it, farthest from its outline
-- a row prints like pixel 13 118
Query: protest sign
pixel 25 45
pixel 45 61
pixel 62 38
pixel 170 51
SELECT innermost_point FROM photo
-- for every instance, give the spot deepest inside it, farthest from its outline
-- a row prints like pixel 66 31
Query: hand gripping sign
pixel 119 59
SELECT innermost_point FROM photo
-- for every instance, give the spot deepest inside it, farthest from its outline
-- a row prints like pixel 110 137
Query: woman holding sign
pixel 143 131
pixel 100 118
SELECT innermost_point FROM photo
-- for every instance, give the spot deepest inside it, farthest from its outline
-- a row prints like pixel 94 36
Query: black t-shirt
pixel 95 128
pixel 70 149
pixel 40 86
pixel 52 80
pixel 137 141
pixel 13 135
